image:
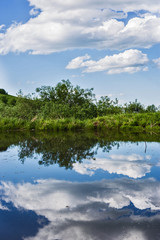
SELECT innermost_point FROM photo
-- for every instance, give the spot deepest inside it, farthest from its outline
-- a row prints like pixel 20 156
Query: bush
pixel 2 91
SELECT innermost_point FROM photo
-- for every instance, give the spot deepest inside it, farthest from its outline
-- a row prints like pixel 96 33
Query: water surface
pixel 84 186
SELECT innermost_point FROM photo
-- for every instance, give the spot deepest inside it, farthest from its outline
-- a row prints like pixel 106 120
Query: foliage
pixel 64 100
pixel 65 93
pixel 7 99
pixel 134 107
pixel 107 106
pixel 151 108
pixel 65 106
pixel 2 91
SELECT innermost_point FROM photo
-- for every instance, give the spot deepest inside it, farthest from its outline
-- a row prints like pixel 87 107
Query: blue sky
pixel 112 46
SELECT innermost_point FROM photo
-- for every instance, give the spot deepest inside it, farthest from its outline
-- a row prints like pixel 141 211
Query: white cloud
pixel 1 27
pixel 78 62
pixel 34 12
pixel 62 25
pixel 118 5
pixel 129 61
pixel 157 62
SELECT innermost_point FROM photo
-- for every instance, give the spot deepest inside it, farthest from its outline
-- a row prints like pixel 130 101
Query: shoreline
pixel 139 122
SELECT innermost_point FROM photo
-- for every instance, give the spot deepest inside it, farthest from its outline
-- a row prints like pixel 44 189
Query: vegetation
pixel 2 91
pixel 65 107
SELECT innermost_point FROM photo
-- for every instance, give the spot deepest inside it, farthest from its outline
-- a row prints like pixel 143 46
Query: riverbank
pixel 134 121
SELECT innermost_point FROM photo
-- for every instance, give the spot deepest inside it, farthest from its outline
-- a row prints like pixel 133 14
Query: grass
pixel 137 122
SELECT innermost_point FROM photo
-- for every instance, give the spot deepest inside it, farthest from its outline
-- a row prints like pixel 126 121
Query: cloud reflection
pixel 90 210
pixel 134 165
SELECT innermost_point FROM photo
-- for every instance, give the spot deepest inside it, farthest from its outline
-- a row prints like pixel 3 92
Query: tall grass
pixel 139 122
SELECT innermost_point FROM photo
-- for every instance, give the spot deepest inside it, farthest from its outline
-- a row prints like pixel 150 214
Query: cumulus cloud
pixel 78 62
pixel 60 25
pixel 118 5
pixel 74 210
pixel 129 61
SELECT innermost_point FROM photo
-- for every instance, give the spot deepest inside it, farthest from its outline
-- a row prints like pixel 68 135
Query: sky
pixel 110 45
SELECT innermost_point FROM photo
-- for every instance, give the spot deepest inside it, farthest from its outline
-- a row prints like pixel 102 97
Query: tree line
pixel 65 101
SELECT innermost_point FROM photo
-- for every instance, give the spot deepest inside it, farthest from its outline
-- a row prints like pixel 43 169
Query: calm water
pixel 93 186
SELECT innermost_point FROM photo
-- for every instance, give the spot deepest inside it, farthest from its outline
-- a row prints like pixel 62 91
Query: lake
pixel 80 186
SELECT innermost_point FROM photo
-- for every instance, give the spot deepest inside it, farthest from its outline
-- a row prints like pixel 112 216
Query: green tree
pixel 134 107
pixel 64 92
pixel 2 91
pixel 65 100
pixel 151 108
pixel 107 106
pixel 26 106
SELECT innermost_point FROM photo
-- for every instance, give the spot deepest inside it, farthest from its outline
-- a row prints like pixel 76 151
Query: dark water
pixel 80 186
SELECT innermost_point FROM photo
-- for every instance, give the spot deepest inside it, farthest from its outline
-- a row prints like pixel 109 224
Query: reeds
pixel 139 122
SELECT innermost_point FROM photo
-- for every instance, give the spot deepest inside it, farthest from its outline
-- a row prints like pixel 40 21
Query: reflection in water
pixel 65 149
pixel 17 224
pixel 87 208
pixel 68 148
pixel 134 165
pixel 79 150
pixel 119 209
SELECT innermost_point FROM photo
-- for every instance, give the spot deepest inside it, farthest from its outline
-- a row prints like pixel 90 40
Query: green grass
pixel 137 122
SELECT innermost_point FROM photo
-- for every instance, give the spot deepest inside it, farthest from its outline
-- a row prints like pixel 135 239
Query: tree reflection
pixel 63 148
pixel 67 148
